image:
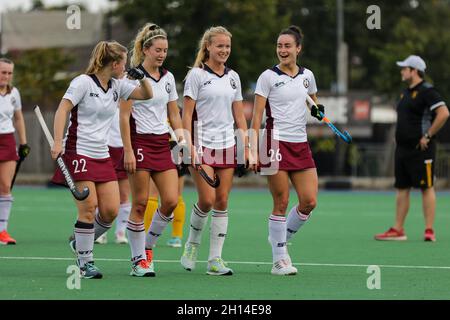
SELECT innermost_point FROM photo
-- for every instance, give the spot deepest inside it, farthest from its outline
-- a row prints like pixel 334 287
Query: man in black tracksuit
pixel 421 113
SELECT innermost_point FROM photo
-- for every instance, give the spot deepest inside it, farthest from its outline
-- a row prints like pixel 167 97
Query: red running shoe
pixel 5 238
pixel 429 235
pixel 392 235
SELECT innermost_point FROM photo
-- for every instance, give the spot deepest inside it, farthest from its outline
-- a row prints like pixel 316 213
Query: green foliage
pixel 37 74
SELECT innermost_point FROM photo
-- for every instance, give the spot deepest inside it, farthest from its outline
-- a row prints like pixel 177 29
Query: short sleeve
pixel 312 89
pixel 237 80
pixel 192 84
pixel 433 99
pixel 173 95
pixel 16 101
pixel 126 87
pixel 263 85
pixel 77 89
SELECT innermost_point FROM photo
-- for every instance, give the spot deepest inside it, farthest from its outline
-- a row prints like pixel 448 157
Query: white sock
pixel 84 242
pixel 218 232
pixel 100 226
pixel 198 221
pixel 136 238
pixel 5 209
pixel 159 223
pixel 295 221
pixel 122 218
pixel 277 237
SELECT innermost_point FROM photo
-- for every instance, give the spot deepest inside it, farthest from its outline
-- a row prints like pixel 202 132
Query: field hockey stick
pixel 213 182
pixel 344 136
pixel 19 162
pixel 80 196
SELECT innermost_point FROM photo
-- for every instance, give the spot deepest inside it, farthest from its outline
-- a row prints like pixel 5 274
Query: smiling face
pixel 287 50
pixel 118 67
pixel 6 73
pixel 157 52
pixel 220 48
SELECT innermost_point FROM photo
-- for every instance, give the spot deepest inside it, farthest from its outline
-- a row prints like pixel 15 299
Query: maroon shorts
pixel 219 158
pixel 152 152
pixel 83 168
pixel 288 156
pixel 116 154
pixel 8 151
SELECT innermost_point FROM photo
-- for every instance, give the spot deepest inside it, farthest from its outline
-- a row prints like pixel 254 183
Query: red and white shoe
pixel 429 235
pixel 6 239
pixel 392 235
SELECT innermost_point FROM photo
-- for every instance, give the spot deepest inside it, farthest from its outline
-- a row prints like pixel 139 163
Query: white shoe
pixel 189 257
pixel 102 239
pixel 284 267
pixel 217 267
pixel 121 238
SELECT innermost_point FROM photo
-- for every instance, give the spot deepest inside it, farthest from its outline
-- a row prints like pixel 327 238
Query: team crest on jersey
pixel 233 83
pixel 414 94
pixel 279 84
pixel 13 101
pixel 115 95
pixel 306 83
pixel 168 87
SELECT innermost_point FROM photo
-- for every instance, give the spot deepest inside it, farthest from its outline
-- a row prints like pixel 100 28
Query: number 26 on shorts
pixel 275 155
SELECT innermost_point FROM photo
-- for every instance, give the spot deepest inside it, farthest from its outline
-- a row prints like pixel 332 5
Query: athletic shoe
pixel 429 235
pixel 142 269
pixel 174 242
pixel 284 267
pixel 6 239
pixel 90 271
pixel 73 246
pixel 392 234
pixel 121 238
pixel 217 267
pixel 189 257
pixel 103 239
pixel 149 255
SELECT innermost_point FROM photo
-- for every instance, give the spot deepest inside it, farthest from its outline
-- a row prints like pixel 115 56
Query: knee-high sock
pixel 122 218
pixel 295 221
pixel 218 232
pixel 100 226
pixel 152 205
pixel 136 238
pixel 5 210
pixel 277 237
pixel 84 242
pixel 179 215
pixel 198 221
pixel 159 223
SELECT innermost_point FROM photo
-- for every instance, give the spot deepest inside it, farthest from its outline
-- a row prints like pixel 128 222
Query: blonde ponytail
pixel 104 53
pixel 144 39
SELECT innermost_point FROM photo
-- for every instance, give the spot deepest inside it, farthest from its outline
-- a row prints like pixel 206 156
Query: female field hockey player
pixel 145 136
pixel 92 100
pixel 115 147
pixel 282 91
pixel 11 119
pixel 212 105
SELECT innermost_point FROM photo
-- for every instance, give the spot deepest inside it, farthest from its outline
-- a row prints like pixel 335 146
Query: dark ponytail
pixel 294 31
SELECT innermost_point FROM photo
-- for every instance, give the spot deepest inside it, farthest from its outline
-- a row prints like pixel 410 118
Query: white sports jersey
pixel 114 137
pixel 9 103
pixel 150 116
pixel 214 96
pixel 94 110
pixel 286 108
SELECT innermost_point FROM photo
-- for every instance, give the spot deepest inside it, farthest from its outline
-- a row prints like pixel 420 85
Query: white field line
pixel 243 262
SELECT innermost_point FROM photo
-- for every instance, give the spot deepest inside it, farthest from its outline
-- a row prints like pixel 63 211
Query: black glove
pixel 24 150
pixel 136 74
pixel 182 169
pixel 241 170
pixel 315 111
pixel 172 144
